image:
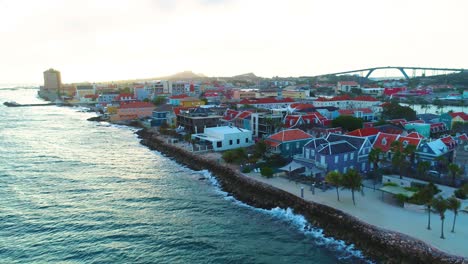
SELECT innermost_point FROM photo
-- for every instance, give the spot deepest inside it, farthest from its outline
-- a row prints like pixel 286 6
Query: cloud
pixel 102 40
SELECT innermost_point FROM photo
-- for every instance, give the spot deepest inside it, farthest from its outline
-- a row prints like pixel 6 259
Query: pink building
pixel 133 110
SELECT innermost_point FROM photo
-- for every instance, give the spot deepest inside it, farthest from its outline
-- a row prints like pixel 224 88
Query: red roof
pixel 364 132
pixel 180 108
pixel 449 142
pixel 415 135
pixel 268 100
pixel 300 106
pixel 179 96
pixel 93 96
pixel 291 120
pixel 244 114
pixel 289 135
pixel 137 105
pixel 463 137
pixel 365 98
pixel 230 114
pixel 437 124
pixel 409 140
pixel 384 140
pixel 460 114
pixel 352 111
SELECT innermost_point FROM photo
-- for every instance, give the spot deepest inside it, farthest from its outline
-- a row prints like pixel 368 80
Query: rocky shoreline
pixel 380 245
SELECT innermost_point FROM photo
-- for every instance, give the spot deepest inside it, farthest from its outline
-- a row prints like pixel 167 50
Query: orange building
pixel 133 110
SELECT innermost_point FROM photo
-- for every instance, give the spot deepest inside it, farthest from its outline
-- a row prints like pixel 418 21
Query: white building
pixel 225 137
pixel 347 86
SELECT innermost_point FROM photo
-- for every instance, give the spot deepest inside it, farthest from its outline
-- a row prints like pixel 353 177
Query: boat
pixel 11 104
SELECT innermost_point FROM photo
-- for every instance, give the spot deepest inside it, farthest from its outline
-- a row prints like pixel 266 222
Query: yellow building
pixel 112 109
pixel 191 102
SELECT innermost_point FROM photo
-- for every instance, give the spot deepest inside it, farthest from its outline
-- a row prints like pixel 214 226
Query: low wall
pixel 380 245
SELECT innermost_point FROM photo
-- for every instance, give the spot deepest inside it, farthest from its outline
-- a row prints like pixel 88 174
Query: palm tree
pixel 410 151
pixel 427 194
pixel 454 171
pixel 454 205
pixel 334 178
pixel 440 205
pixel 374 157
pixel 352 180
pixel 423 167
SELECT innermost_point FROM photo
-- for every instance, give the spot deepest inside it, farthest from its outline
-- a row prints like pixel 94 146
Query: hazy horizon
pixel 118 40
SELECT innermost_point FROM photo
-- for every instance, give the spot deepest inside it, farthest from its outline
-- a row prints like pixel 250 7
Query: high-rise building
pixel 52 80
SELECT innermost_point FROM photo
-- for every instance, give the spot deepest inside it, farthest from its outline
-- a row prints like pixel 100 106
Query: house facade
pixel 133 110
pixel 288 142
pixel 225 137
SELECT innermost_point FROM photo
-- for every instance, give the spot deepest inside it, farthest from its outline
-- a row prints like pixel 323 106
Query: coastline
pixel 376 243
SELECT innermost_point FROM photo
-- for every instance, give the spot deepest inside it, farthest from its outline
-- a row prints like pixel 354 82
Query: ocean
pixel 74 191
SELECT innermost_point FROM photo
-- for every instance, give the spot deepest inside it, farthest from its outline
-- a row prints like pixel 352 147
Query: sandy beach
pixel 385 214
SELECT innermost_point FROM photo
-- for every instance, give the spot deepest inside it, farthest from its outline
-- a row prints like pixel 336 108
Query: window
pixel 351 156
pixel 238 141
pixel 297 145
pixel 219 144
pixel 230 142
pixel 287 146
pixel 246 140
pixel 346 157
pixel 384 141
pixel 336 159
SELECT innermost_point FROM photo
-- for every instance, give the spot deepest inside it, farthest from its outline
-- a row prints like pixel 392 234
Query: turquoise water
pixel 73 191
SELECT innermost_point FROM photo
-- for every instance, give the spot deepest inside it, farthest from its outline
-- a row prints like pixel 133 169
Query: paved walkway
pixel 386 214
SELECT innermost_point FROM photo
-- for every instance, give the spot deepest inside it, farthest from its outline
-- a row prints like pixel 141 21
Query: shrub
pixel 401 198
pixel 460 194
pixel 246 169
pixel 266 171
pixel 391 184
pixel 412 189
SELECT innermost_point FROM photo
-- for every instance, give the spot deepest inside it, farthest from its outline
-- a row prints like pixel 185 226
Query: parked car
pixel 434 173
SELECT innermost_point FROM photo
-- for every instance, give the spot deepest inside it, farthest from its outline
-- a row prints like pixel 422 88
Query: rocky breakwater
pixel 381 245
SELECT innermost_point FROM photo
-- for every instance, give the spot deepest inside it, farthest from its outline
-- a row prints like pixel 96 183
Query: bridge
pixel 400 68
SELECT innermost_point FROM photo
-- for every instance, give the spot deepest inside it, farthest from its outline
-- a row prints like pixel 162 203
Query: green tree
pixel 374 157
pixel 440 205
pixel 423 167
pixel 334 178
pixel 352 180
pixel 159 100
pixel 348 123
pixel 426 195
pixel 260 149
pixel 266 171
pixel 454 205
pixel 394 111
pixel 454 171
pixel 410 152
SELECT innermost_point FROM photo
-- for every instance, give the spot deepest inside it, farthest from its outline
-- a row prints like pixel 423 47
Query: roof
pixel 137 105
pixel 179 96
pixel 301 106
pixel 230 114
pixel 122 95
pixel 357 142
pixel 463 137
pixel 244 114
pixel 409 141
pixel 449 141
pixel 353 83
pixel 364 132
pixel 462 115
pixel 291 120
pixel 268 100
pixel 352 111
pixel 315 143
pixel 225 130
pixel 332 148
pixel 415 135
pixel 367 98
pixel 438 147
pixel 384 141
pixel 289 135
pixel 389 129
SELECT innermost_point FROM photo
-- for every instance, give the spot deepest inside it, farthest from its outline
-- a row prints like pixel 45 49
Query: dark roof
pixel 314 109
pixel 390 129
pixel 427 117
pixel 315 143
pixel 333 148
pixel 357 142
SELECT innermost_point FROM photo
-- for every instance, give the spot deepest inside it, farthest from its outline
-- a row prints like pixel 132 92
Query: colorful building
pixel 133 110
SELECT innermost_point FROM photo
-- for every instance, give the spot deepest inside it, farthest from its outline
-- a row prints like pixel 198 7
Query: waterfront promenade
pixel 371 209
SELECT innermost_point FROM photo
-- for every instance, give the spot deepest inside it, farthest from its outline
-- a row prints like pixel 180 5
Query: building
pixel 52 80
pixel 195 120
pixel 133 110
pixel 224 138
pixel 365 113
pixel 453 117
pixel 347 102
pixel 347 86
pixel 83 90
pixel 267 103
pixel 107 98
pixel 288 142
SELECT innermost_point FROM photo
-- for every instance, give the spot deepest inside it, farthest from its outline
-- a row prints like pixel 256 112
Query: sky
pixel 102 40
